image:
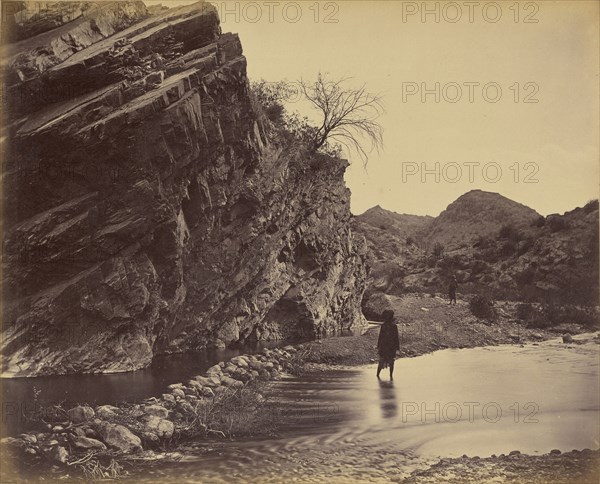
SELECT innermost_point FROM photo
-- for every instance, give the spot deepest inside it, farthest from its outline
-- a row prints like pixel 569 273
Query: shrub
pixel 438 249
pixel 539 222
pixel 482 242
pixel 508 248
pixel 526 276
pixel 591 206
pixel 479 266
pixel 557 223
pixel 509 232
pixel 526 312
pixel 570 314
pixel 482 307
pixel 410 240
pixel 524 246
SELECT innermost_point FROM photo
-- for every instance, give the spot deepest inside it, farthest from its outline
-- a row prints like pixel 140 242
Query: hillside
pixel 147 209
pixel 493 245
pixel 476 214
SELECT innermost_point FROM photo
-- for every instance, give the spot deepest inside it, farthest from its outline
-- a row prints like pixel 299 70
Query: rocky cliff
pixel 146 209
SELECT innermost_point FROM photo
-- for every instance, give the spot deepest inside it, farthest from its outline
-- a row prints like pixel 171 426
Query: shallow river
pixel 480 402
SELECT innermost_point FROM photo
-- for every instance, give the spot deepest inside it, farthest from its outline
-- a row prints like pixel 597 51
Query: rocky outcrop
pixel 147 209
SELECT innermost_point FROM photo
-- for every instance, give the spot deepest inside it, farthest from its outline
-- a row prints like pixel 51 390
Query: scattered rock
pixel 159 426
pixel 214 370
pixel 30 439
pixel 59 454
pixel 207 392
pixel 81 414
pixel 87 443
pixel 107 411
pixel 156 410
pixel 119 437
pixel 78 431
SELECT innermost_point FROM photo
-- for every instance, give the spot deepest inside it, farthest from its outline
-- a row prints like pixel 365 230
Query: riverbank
pixel 427 324
pixel 579 467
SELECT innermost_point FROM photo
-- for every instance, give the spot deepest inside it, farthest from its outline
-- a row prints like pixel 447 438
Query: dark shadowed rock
pixel 142 188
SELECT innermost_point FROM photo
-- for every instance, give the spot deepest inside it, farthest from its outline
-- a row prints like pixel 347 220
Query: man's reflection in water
pixel 387 399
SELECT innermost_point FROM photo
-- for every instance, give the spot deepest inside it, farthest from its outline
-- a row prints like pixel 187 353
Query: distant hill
pixel 477 214
pixel 492 244
pixel 402 225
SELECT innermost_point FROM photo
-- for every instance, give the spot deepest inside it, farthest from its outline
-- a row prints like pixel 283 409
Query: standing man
pixel 388 343
pixel 452 290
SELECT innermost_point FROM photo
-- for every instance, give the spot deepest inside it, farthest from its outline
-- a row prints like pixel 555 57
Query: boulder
pixel 78 431
pixel 240 361
pixel 59 454
pixel 107 411
pixel 567 338
pixel 186 407
pixel 80 414
pixel 87 443
pixel 161 427
pixel 119 437
pixel 156 410
pixel 214 370
pixel 256 365
pixel 207 392
pixel 231 382
pixel 28 438
pixel 178 392
pixel 195 385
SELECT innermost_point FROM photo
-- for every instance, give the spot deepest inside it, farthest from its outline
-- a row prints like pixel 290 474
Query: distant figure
pixel 452 290
pixel 388 343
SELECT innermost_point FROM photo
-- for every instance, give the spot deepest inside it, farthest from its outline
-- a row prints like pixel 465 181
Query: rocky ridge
pixel 147 209
pixel 491 244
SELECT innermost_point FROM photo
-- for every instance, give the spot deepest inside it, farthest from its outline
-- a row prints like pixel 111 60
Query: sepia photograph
pixel 311 241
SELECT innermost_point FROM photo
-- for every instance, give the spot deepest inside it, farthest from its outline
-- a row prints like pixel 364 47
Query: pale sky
pixel 553 142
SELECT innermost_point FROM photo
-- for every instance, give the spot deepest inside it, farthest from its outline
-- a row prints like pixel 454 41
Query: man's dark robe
pixel 388 342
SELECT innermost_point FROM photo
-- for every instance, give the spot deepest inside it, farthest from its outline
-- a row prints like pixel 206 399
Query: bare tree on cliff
pixel 349 116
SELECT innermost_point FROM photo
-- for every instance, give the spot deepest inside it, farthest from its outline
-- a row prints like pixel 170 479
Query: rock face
pixel 147 209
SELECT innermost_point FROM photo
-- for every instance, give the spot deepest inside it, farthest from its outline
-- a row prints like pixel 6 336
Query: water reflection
pixel 387 399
